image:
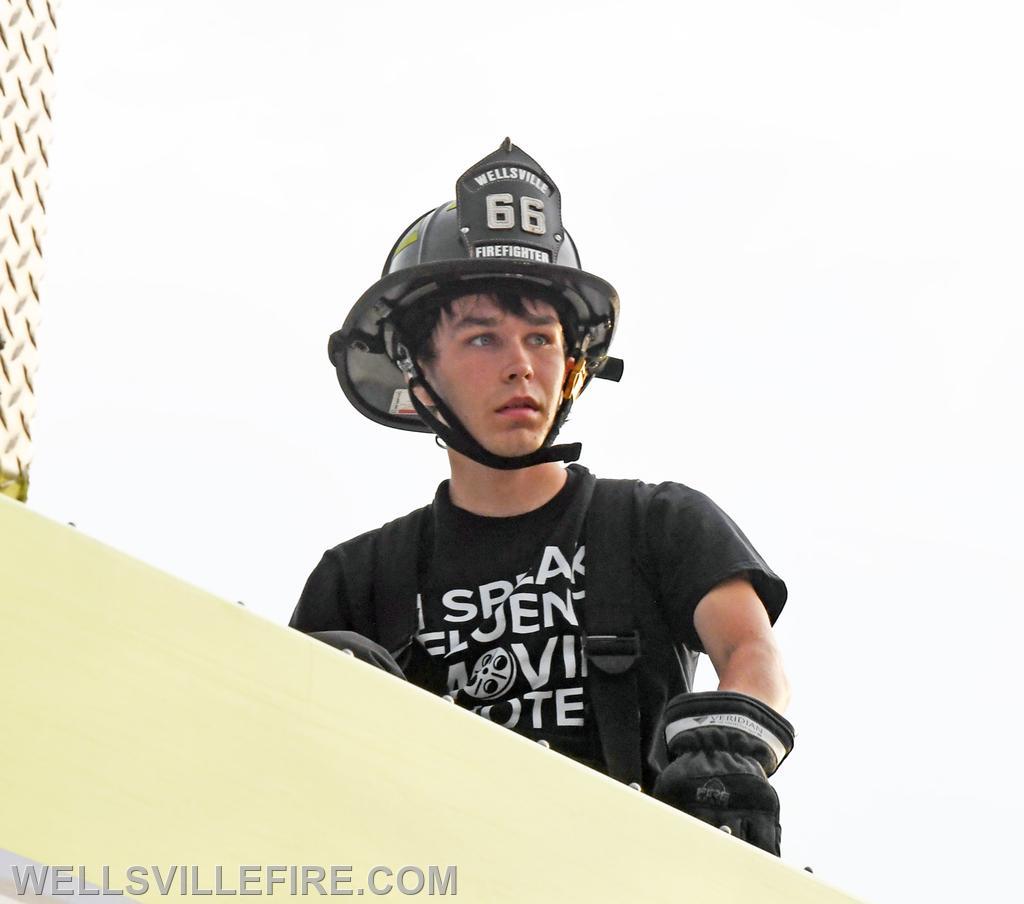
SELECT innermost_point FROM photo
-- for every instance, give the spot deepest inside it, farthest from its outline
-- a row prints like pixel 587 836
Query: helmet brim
pixel 360 350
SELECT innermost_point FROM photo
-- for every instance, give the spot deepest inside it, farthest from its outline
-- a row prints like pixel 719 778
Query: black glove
pixel 722 747
pixel 362 648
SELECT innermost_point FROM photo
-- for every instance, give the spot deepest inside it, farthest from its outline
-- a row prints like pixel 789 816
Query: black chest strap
pixel 396 577
pixel 611 643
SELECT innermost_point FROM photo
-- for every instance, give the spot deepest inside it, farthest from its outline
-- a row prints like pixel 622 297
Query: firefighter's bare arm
pixel 734 629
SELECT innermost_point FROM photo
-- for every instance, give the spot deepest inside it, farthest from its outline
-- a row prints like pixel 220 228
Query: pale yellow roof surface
pixel 150 723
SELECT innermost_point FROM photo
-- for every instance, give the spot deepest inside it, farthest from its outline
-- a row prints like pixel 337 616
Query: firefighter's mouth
pixel 519 404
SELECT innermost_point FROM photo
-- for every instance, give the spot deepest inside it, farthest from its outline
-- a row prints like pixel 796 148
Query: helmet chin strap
pixel 457 437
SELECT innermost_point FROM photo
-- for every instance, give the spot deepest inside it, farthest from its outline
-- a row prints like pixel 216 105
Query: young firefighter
pixel 566 608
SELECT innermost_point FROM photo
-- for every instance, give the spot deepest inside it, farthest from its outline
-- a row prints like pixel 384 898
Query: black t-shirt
pixel 499 614
pixel 500 605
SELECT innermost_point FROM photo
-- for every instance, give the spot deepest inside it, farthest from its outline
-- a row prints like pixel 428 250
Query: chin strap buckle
pixel 575 380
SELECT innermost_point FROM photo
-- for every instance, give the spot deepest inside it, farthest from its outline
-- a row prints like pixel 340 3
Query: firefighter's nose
pixel 519 367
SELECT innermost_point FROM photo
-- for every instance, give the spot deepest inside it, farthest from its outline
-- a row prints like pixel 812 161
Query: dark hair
pixel 417 325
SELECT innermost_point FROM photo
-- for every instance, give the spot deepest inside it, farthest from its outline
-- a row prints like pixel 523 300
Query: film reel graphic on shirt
pixel 494 673
pixel 27 34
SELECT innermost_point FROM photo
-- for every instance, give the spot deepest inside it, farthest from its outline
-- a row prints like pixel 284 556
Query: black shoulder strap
pixel 611 643
pixel 396 578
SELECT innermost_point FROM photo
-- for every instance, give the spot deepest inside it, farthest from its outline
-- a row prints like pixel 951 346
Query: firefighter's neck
pixel 502 494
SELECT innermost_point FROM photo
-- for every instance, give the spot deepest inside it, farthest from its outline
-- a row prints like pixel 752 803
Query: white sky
pixel 812 213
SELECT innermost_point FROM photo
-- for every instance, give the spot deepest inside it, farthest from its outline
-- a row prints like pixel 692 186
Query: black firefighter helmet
pixel 503 231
